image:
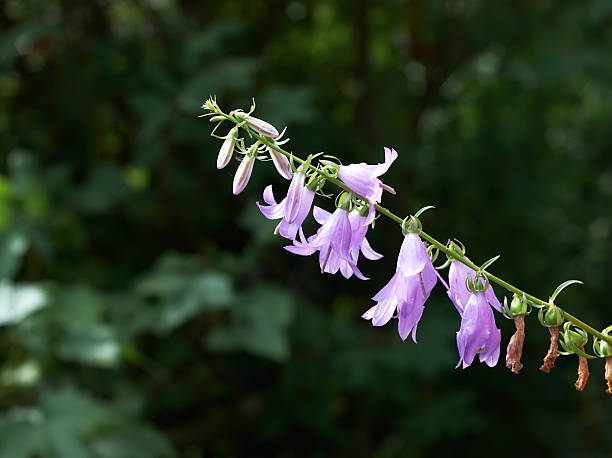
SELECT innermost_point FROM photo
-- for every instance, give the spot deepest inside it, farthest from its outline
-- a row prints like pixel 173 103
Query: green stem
pixel 572 319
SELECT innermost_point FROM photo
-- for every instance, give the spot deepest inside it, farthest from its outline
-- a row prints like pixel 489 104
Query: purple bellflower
pixel 293 209
pixel 359 243
pixel 332 241
pixel 459 292
pixel 363 179
pixel 478 332
pixel 408 289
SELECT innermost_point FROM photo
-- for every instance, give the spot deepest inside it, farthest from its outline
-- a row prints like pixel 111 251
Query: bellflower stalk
pixel 407 290
pixel 363 179
pixel 293 209
pixel 332 241
pixel 478 332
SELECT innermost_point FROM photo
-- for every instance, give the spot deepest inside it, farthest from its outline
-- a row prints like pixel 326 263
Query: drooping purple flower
pixel 332 241
pixel 478 333
pixel 293 209
pixel 408 289
pixel 359 243
pixel 363 179
pixel 458 291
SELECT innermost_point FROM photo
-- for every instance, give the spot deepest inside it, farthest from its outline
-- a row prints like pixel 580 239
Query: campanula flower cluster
pixel 340 240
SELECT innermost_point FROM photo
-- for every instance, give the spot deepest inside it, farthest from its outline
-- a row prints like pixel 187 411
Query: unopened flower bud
pixel 575 338
pixel 553 317
pixel 281 163
pixel 227 149
pixel 261 126
pixel 243 174
pixel 518 306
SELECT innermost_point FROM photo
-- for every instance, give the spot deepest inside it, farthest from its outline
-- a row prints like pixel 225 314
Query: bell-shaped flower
pixel 332 241
pixel 293 209
pixel 408 289
pixel 359 243
pixel 478 333
pixel 458 290
pixel 363 179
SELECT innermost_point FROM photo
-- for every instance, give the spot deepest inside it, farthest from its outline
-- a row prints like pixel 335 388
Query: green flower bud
pixel 602 348
pixel 518 306
pixel 553 317
pixel 574 338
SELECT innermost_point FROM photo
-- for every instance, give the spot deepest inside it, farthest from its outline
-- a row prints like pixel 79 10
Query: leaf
pixel 259 324
pixel 92 345
pixel 17 302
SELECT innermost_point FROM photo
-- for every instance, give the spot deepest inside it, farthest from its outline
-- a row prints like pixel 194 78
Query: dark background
pixel 147 312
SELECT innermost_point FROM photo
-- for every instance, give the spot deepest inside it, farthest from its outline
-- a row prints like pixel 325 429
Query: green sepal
pixel 562 286
pixel 601 348
pixel 489 262
pixel 423 210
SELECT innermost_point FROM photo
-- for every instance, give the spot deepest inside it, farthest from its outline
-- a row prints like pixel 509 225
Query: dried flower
pixel 583 372
pixel 243 174
pixel 609 374
pixel 293 209
pixel 407 290
pixel 515 346
pixel 478 333
pixel 553 353
pixel 363 179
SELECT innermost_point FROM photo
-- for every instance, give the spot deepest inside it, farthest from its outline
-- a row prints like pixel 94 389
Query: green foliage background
pixel 147 312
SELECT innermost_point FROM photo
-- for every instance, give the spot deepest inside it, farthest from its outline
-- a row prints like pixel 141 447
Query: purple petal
pixel 293 196
pixel 268 195
pixel 320 215
pixel 412 256
pixel 368 252
pixel 409 316
pixel 369 314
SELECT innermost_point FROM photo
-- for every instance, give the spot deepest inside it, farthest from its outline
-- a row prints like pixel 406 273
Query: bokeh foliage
pixel 146 312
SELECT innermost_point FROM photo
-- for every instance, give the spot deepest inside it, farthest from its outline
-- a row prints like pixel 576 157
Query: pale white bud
pixel 261 126
pixel 227 149
pixel 243 174
pixel 281 163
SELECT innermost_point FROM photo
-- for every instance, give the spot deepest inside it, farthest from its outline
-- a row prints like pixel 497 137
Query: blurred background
pixel 147 312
